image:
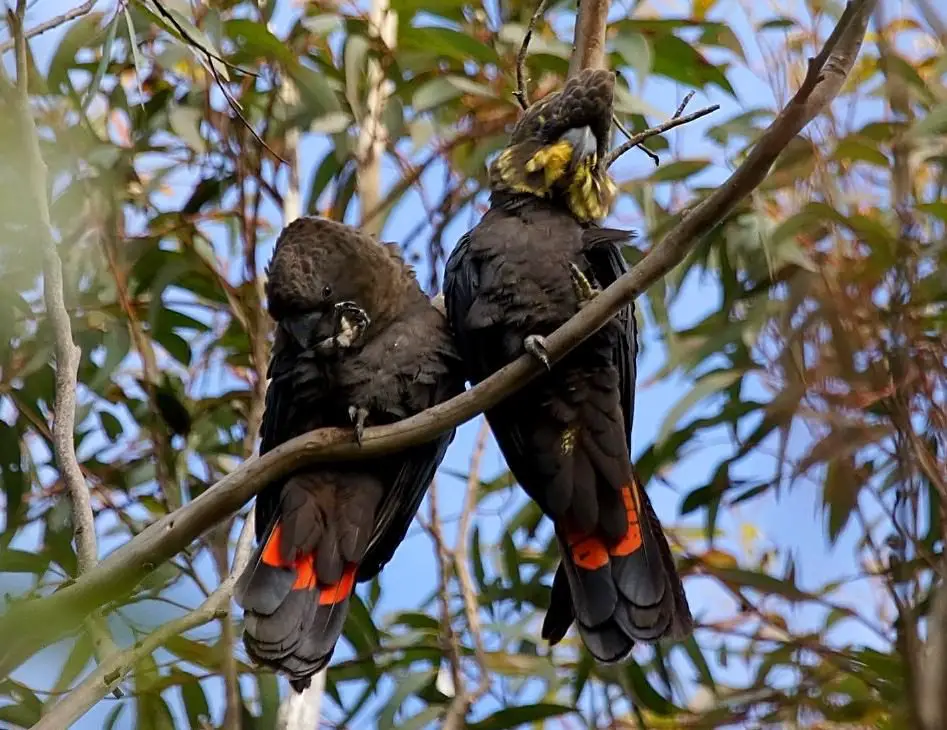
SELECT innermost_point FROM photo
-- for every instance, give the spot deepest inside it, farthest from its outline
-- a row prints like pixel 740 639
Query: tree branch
pixel 121 571
pixel 111 671
pixel 68 353
pixel 636 139
pixel 590 24
pixel 50 24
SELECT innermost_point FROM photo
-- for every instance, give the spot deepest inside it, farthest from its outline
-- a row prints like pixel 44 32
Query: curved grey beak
pixel 584 144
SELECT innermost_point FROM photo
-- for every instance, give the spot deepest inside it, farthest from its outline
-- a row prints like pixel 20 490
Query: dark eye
pixel 326 292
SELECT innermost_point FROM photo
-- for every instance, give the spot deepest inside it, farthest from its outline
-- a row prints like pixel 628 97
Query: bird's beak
pixel 305 328
pixel 584 145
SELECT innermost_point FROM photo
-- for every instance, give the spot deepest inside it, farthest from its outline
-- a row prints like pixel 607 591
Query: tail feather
pixel 292 619
pixel 620 591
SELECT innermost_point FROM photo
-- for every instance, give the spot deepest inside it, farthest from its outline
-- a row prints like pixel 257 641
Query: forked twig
pixel 211 57
pixel 676 121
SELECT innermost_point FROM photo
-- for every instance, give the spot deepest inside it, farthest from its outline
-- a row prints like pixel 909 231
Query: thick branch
pixel 117 665
pixel 120 572
pixel 590 23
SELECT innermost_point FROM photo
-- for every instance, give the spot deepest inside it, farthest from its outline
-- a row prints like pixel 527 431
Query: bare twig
pixel 590 25
pixel 637 139
pixel 111 671
pixel 211 58
pixel 453 718
pixel 50 24
pixel 621 128
pixel 467 588
pixel 522 93
pixel 121 571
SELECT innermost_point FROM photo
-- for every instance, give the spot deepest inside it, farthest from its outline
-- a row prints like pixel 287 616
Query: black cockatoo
pixel 534 259
pixel 357 342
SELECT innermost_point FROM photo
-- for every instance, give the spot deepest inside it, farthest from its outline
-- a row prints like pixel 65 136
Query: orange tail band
pixel 305 568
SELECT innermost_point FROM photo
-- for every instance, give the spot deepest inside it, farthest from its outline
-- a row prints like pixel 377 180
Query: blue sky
pixel 794 522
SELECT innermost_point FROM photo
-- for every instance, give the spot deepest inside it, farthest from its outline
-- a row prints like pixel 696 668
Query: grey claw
pixel 357 416
pixel 351 323
pixel 535 345
pixel 581 286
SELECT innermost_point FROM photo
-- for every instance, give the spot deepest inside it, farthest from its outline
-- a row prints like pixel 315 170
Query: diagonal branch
pixel 121 571
pixel 76 12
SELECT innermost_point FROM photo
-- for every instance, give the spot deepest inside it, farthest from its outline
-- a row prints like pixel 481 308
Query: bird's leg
pixel 584 291
pixel 535 345
pixel 358 415
pixel 351 321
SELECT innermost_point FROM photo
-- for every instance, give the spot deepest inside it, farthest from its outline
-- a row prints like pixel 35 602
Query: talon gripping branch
pixel 533 260
pixel 357 343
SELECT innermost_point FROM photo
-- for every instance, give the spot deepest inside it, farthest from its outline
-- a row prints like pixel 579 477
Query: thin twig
pixel 211 57
pixel 467 588
pixel 111 672
pixel 33 624
pixel 521 93
pixel 621 128
pixel 50 24
pixel 637 139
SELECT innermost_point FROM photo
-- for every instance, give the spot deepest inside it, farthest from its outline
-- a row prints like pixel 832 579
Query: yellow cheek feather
pixel 552 160
pixel 590 196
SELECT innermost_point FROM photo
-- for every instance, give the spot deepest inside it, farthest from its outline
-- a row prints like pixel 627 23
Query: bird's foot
pixel 357 416
pixel 535 345
pixel 351 321
pixel 584 291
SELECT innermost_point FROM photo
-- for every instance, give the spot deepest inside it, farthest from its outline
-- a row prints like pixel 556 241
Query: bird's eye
pixel 326 292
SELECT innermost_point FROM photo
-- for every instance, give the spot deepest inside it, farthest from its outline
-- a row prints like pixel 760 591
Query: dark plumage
pixel 534 259
pixel 357 343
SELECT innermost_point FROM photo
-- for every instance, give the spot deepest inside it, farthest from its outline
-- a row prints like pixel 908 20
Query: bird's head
pixel 318 265
pixel 558 147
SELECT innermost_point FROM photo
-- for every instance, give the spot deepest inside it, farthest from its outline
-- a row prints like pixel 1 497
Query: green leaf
pixel 636 50
pixel 194 698
pixel 406 687
pixel 843 483
pixel 111 425
pixel 511 559
pixel 78 658
pixel 712 383
pixel 433 94
pixel 645 696
pixel 445 42
pixel 511 717
pixel 678 60
pixel 314 91
pixel 136 60
pixel 185 121
pixel 11 476
pixel 356 51
pixel 21 561
pixel 678 170
pixel 95 84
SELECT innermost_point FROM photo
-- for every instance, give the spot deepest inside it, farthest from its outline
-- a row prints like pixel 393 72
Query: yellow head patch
pixel 547 171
